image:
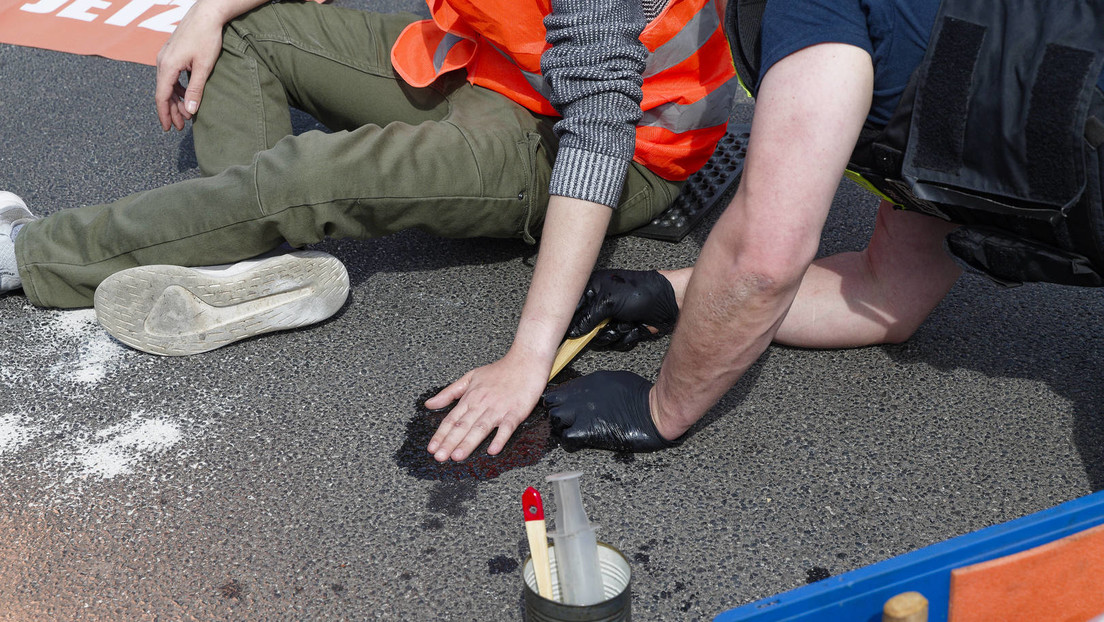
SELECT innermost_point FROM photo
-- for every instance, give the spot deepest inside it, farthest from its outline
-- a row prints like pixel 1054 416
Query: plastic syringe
pixel 576 547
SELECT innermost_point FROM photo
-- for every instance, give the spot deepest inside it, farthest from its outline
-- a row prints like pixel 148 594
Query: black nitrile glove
pixel 633 300
pixel 604 410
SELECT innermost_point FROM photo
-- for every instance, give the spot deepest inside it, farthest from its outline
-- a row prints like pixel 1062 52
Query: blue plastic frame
pixel 860 594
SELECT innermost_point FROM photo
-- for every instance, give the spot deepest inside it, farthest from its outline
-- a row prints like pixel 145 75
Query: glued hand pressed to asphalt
pixel 635 301
pixel 605 410
pixel 496 396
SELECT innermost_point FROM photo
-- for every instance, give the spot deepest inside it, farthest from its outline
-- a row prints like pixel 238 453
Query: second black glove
pixel 605 410
pixel 633 300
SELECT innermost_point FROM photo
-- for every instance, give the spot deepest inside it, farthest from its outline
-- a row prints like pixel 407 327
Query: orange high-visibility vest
pixel 689 81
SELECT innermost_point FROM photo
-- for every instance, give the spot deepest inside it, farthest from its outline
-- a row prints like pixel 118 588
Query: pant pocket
pixel 536 173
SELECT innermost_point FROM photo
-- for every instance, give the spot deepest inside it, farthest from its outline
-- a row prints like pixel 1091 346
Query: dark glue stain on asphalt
pixel 527 446
pixel 502 565
pixel 686 604
pixel 231 589
pixel 816 573
pixel 624 457
pixel 450 498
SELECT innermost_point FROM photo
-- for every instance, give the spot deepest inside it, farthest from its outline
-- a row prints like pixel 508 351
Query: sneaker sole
pixel 176 311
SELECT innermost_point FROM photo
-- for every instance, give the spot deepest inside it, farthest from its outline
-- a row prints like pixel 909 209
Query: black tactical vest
pixel 999 130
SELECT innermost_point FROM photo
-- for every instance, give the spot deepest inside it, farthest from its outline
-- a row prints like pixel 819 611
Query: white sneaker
pixel 13 211
pixel 172 310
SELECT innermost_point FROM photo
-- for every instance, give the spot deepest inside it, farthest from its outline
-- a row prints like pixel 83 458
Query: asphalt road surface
pixel 281 477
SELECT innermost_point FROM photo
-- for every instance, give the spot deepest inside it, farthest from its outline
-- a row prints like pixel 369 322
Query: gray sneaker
pixel 13 211
pixel 172 310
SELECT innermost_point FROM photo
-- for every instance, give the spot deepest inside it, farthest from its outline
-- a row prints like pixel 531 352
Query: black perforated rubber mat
pixel 714 184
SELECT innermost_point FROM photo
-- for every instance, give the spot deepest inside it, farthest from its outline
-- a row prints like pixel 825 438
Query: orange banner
pixel 131 30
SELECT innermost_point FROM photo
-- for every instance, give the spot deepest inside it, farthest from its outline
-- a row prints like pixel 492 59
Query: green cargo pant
pixel 451 159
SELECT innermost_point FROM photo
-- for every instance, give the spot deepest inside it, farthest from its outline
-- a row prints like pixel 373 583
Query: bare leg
pixel 879 295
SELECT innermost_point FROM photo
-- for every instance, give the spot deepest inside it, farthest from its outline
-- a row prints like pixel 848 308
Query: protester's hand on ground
pixel 641 304
pixel 193 49
pixel 500 395
pixel 605 410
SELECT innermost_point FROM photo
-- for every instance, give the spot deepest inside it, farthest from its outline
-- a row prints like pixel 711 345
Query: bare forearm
pixel 757 253
pixel 570 241
pixel 729 316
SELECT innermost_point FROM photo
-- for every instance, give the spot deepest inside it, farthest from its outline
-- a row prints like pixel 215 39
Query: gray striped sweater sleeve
pixel 594 70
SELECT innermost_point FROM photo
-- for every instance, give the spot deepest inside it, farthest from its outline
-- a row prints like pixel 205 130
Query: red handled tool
pixel 533 509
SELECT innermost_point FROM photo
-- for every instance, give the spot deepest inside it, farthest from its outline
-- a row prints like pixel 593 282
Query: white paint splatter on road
pixel 115 450
pixel 14 433
pixel 96 352
pixel 57 427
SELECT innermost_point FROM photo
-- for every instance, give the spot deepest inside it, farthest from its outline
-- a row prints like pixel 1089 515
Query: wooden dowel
pixel 906 607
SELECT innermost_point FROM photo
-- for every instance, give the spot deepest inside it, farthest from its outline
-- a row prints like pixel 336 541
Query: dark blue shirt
pixel 894 32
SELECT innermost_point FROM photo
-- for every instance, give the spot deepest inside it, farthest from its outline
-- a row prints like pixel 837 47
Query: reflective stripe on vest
pixel 685 42
pixel 689 81
pixel 448 42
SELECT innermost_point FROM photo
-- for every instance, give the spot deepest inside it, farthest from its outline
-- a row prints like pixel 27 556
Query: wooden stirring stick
pixel 571 347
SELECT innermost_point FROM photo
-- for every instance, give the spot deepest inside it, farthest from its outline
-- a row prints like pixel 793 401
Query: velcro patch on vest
pixel 1051 131
pixel 1002 99
pixel 946 94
